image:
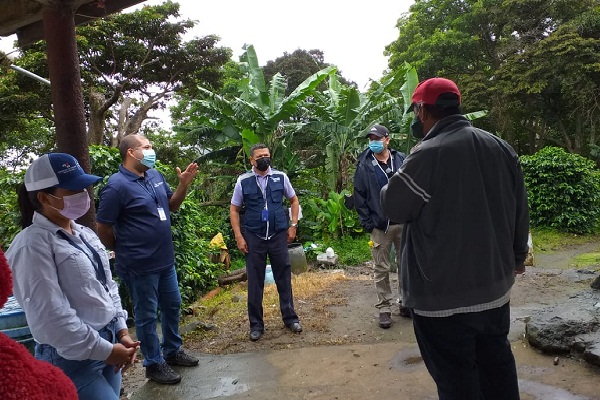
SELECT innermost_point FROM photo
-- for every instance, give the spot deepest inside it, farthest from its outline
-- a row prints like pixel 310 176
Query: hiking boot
pixel 183 359
pixel 295 327
pixel 385 320
pixel 405 312
pixel 162 373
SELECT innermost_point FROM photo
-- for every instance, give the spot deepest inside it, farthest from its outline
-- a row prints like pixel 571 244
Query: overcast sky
pixel 352 35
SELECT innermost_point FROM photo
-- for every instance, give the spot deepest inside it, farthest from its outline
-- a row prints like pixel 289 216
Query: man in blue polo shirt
pixel 265 232
pixel 134 220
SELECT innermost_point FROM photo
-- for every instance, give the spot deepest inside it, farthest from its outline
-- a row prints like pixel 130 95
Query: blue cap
pixel 59 170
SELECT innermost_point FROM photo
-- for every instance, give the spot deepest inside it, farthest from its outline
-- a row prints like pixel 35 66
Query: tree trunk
pixel 134 123
pixel 123 117
pixel 97 122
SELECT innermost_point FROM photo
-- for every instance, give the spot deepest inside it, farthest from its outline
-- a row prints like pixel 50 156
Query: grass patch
pixel 547 240
pixel 587 260
pixel 227 310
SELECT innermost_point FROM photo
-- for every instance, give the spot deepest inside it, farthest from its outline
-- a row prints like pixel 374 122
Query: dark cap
pixel 379 131
pixel 430 92
pixel 59 170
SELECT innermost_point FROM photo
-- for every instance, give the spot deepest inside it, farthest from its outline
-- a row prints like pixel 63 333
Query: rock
pixel 571 326
pixel 592 354
pixel 596 283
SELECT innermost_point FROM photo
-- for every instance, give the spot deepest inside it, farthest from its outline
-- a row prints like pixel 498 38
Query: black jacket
pixel 367 187
pixel 462 198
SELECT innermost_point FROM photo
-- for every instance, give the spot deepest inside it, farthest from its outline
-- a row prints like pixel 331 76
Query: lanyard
pixel 390 168
pixel 263 191
pixel 153 194
pixel 98 267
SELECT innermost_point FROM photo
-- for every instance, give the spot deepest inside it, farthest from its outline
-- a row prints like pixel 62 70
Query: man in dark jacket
pixel 462 197
pixel 375 165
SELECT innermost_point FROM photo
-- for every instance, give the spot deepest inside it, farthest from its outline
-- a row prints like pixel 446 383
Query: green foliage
pixel 547 240
pixel 329 219
pixel 191 237
pixel 351 250
pixel 564 190
pixel 533 64
pixel 9 208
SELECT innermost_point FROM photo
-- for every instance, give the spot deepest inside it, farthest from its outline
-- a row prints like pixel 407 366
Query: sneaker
pixel 385 320
pixel 162 373
pixel 255 335
pixel 183 359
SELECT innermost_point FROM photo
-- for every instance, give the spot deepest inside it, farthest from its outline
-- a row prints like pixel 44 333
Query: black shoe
pixel 255 335
pixel 405 312
pixel 183 359
pixel 162 373
pixel 385 320
pixel 295 327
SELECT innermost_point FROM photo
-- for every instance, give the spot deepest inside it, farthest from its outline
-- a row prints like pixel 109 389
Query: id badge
pixel 265 215
pixel 161 214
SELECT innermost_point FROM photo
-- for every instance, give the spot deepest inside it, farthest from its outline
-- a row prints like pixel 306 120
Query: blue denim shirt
pixel 55 283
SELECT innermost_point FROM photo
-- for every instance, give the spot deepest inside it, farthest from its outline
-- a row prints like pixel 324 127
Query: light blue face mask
pixel 149 159
pixel 376 146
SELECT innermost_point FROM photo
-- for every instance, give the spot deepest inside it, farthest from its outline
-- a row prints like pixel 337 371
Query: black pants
pixel 256 262
pixel 468 355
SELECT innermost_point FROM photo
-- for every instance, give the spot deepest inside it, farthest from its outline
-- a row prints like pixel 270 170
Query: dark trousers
pixel 256 263
pixel 468 355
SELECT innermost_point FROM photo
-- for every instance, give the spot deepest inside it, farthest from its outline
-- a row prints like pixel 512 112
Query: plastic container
pixel 297 258
pixel 269 279
pixel 14 324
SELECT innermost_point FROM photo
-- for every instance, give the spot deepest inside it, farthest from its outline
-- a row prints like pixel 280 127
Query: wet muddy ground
pixel 355 359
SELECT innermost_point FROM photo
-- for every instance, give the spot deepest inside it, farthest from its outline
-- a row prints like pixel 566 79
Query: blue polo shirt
pixel 130 204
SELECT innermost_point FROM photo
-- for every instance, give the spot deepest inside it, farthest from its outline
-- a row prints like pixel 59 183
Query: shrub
pixel 329 219
pixel 563 189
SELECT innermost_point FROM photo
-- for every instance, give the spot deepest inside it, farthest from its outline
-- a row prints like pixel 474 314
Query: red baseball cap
pixel 429 91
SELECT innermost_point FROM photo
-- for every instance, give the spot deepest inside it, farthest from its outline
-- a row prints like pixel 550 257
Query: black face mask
pixel 416 128
pixel 262 164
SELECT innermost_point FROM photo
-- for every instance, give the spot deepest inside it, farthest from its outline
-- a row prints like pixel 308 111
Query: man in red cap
pixel 462 198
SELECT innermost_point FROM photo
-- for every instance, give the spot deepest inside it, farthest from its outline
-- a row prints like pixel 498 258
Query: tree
pixel 25 118
pixel 135 62
pixel 298 66
pixel 493 49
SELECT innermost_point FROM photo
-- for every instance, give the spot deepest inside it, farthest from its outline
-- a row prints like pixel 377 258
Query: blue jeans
pixel 150 292
pixel 468 355
pixel 93 379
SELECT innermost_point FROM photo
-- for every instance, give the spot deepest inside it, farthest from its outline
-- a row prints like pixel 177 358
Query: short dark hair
pixel 439 112
pixel 257 146
pixel 128 142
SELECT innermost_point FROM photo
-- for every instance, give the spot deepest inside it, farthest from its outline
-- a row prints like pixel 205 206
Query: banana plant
pixel 344 115
pixel 261 113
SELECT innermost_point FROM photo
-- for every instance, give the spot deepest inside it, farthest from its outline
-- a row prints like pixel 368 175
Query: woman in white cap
pixel 62 279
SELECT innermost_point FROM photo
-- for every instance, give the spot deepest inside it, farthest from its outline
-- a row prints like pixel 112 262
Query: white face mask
pixel 75 205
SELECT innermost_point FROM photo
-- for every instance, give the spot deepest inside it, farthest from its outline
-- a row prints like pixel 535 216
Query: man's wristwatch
pixel 294 225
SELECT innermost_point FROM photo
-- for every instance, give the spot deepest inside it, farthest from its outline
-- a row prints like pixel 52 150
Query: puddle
pixel 541 391
pixel 407 360
pixel 226 386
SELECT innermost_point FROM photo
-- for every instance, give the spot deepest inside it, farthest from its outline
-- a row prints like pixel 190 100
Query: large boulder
pixel 570 327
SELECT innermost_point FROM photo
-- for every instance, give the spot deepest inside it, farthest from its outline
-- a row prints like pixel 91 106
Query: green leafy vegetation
pixel 563 190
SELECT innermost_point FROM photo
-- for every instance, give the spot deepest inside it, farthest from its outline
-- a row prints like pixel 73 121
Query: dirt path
pixel 352 358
